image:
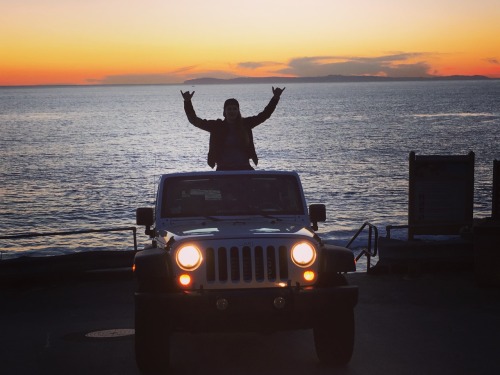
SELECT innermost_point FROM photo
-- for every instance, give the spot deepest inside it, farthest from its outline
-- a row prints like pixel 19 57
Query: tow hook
pixel 221 304
pixel 279 303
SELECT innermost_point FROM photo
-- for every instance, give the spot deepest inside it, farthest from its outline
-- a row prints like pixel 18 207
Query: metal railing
pixel 370 251
pixel 67 233
pixel 372 243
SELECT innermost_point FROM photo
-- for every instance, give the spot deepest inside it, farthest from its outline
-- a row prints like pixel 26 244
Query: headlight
pixel 303 254
pixel 189 257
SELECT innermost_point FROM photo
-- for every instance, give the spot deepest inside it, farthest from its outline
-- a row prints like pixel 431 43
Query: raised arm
pixel 253 121
pixel 191 114
pixel 187 95
pixel 276 91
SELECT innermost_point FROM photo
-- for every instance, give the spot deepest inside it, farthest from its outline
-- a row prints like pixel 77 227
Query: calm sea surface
pixel 75 158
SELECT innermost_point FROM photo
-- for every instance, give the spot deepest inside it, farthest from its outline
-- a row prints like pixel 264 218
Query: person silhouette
pixel 231 144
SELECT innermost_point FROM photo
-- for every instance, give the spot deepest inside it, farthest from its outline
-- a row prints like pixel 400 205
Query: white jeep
pixel 238 251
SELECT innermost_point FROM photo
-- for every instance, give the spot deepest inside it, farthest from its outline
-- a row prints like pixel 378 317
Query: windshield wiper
pixel 271 217
pixel 212 218
pixel 226 218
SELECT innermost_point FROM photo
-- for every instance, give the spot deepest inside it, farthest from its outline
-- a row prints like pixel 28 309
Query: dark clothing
pixel 231 145
pixel 238 168
pixel 233 151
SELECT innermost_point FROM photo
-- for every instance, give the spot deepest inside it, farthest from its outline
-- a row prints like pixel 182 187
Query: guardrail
pixel 47 234
pixel 372 244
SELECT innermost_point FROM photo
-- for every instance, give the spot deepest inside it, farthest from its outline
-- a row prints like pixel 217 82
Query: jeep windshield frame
pixel 215 195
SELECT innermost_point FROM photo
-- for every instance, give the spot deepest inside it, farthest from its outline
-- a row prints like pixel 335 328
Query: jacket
pixel 217 129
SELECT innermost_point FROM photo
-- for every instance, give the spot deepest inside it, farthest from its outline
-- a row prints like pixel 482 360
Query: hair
pixel 231 101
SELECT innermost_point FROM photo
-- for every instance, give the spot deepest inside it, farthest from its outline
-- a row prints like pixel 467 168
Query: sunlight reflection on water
pixel 87 157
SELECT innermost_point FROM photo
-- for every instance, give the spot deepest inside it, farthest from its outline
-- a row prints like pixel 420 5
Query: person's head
pixel 231 110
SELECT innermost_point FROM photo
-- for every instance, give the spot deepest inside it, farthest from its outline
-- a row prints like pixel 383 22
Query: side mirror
pixel 145 216
pixel 317 212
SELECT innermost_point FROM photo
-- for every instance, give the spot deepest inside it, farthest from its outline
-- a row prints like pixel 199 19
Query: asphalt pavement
pixel 441 323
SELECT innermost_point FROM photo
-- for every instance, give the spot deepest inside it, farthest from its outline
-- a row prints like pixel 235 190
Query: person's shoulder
pixel 216 124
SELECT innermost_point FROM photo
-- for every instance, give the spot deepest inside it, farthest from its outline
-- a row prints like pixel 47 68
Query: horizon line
pixel 332 78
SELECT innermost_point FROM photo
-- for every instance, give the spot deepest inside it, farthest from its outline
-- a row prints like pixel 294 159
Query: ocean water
pixel 74 158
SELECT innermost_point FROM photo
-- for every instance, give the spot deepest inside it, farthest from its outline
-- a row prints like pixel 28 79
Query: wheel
pixel 152 343
pixel 334 337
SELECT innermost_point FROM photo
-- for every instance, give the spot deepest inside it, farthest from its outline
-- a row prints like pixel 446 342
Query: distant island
pixel 329 78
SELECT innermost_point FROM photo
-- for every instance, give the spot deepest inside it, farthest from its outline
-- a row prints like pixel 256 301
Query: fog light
pixel 185 279
pixel 309 275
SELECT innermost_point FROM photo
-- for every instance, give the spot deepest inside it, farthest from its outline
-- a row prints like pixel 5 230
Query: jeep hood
pixel 235 229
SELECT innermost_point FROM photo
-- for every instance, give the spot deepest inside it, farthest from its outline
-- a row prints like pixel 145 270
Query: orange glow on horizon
pixel 94 42
pixel 46 75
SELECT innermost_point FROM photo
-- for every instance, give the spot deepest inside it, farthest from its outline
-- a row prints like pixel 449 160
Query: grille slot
pixel 235 264
pixel 271 263
pixel 283 263
pixel 259 263
pixel 247 264
pixel 222 262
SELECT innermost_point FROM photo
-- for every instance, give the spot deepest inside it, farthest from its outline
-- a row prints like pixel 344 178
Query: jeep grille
pixel 247 264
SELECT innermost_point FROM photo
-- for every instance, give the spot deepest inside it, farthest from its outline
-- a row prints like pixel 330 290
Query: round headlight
pixel 189 257
pixel 303 254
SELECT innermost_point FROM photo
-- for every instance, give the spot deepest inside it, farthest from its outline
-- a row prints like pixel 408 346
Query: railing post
pixel 368 252
pixel 134 230
pixel 368 257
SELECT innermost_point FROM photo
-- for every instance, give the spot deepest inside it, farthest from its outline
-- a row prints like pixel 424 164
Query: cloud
pixel 185 69
pixel 390 65
pixel 221 74
pixel 257 64
pixel 394 65
pixel 174 77
pixel 136 79
pixel 492 60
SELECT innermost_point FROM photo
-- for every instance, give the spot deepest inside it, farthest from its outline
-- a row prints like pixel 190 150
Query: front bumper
pixel 269 309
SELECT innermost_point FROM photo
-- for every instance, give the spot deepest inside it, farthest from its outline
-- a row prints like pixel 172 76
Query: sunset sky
pixel 168 41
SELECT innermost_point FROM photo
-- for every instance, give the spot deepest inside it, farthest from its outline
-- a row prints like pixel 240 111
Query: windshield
pixel 231 195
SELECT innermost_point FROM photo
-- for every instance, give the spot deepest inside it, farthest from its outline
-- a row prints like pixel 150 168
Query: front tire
pixel 334 337
pixel 152 343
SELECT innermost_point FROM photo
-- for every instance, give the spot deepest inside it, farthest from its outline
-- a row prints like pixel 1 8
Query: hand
pixel 187 95
pixel 276 91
